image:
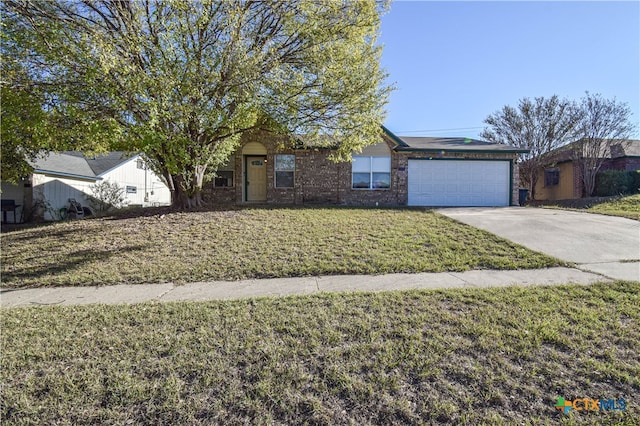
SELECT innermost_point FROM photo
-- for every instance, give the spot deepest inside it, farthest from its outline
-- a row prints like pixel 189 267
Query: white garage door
pixel 458 183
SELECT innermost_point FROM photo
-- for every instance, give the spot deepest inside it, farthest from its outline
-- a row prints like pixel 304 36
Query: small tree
pixel 106 195
pixel 602 124
pixel 540 126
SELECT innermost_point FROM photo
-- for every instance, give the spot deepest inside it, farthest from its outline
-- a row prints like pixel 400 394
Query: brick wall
pixel 623 163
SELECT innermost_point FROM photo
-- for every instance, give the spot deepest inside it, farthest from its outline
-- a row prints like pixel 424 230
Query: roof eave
pixel 395 138
pixel 479 151
pixel 68 175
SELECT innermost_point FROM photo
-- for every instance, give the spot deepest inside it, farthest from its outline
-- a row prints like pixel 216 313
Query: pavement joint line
pixel 578 267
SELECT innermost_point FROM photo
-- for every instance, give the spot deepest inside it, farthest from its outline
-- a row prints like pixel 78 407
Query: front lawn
pixel 490 356
pixel 624 206
pixel 628 206
pixel 252 243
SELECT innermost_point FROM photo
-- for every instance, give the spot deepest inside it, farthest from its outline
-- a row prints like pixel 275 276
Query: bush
pixel 106 195
pixel 616 182
pixel 634 181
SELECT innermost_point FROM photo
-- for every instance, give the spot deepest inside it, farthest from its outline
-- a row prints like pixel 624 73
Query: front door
pixel 256 180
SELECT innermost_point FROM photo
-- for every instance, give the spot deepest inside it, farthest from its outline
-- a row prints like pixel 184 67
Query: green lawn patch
pixel 473 356
pixel 252 243
pixel 623 206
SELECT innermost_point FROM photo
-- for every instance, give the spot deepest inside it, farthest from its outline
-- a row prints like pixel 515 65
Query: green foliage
pixel 182 81
pixel 617 182
pixel 21 130
pixel 634 181
pixel 34 120
pixel 106 196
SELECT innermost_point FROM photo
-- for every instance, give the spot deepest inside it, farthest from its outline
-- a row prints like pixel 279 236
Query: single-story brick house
pixel 398 171
pixel 560 179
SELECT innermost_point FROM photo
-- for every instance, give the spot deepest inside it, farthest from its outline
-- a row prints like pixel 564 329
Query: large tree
pixel 603 123
pixel 539 125
pixel 32 125
pixel 36 117
pixel 183 80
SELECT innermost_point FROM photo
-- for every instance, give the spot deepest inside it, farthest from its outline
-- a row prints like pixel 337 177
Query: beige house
pixel 560 179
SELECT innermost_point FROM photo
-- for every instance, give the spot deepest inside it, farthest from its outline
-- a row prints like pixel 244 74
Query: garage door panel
pixel 458 183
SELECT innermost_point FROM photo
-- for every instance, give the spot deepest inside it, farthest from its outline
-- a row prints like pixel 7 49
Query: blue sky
pixel 455 62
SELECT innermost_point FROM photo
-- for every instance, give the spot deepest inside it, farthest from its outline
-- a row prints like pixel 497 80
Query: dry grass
pixel 251 243
pixel 492 356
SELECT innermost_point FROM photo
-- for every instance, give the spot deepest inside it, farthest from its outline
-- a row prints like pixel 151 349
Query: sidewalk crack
pixel 173 286
pixel 466 283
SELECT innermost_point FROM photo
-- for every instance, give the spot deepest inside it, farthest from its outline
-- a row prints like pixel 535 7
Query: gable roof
pixel 64 164
pixel 423 143
pixel 617 149
pixel 105 162
pixel 630 148
pixel 428 144
pixel 79 165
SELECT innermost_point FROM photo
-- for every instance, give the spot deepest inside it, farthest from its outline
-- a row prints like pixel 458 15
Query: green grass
pixel 252 243
pixel 490 356
pixel 623 206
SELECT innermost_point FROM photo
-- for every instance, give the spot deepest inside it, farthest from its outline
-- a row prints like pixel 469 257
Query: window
pixel 285 169
pixel 223 179
pixel 224 175
pixel 551 177
pixel 132 189
pixel 371 172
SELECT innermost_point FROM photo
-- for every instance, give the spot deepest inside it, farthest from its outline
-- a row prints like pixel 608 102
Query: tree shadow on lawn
pixel 11 278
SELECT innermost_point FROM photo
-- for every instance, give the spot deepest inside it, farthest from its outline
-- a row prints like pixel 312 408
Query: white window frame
pixel 376 165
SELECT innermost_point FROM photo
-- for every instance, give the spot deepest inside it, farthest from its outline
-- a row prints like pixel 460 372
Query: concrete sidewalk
pixel 224 290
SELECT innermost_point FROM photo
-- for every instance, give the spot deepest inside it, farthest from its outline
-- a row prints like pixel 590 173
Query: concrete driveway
pixel 606 245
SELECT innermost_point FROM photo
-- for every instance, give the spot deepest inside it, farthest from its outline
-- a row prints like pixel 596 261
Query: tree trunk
pixel 534 182
pixel 186 195
pixel 529 176
pixel 589 181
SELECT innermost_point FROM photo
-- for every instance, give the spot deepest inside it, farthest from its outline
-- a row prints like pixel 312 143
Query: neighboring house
pixel 398 171
pixel 59 177
pixel 560 179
